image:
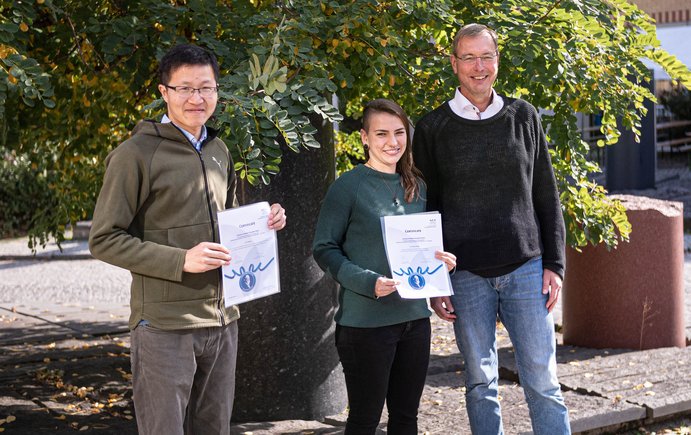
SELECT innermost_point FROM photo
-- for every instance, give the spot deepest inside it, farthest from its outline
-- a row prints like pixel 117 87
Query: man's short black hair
pixel 185 54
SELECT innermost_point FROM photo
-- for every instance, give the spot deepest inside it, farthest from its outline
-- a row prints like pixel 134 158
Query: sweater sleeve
pixel 424 160
pixel 329 237
pixel 547 205
pixel 125 187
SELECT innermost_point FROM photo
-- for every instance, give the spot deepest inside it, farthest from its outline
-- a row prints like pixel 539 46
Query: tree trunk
pixel 287 362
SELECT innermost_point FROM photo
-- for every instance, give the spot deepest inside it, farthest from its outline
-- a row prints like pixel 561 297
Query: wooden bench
pixel 675 144
pixel 679 144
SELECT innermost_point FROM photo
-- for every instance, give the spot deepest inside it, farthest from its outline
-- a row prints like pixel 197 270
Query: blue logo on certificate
pixel 247 281
pixel 416 281
pixel 247 278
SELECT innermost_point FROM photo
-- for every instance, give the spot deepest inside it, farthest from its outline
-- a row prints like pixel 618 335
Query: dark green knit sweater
pixel 493 183
pixel 348 244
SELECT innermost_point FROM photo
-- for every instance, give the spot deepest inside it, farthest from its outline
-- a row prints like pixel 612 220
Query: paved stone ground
pixel 64 363
pixel 64 357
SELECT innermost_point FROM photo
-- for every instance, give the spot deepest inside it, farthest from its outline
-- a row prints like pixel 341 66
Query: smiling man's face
pixel 190 112
pixel 476 77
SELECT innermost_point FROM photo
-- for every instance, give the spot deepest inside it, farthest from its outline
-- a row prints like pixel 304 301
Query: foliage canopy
pixel 76 76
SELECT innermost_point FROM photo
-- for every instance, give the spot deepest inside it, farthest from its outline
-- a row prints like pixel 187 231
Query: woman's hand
pixel 448 258
pixel 385 286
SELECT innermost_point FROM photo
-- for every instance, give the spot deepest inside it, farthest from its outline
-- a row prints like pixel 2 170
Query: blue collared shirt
pixel 197 143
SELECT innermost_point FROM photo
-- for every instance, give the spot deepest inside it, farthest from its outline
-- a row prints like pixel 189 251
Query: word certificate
pixel 253 269
pixel 411 241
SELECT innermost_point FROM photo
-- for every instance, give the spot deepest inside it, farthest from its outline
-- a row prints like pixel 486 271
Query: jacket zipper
pixel 213 233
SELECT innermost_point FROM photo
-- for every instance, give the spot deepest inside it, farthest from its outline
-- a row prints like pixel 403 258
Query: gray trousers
pixel 184 380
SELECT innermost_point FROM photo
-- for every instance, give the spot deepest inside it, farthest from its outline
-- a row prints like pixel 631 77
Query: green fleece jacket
pixel 348 244
pixel 160 197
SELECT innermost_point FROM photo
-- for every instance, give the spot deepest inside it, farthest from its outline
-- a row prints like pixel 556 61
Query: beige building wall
pixel 666 11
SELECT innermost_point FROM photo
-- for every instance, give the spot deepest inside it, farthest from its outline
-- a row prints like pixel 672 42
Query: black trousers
pixel 384 363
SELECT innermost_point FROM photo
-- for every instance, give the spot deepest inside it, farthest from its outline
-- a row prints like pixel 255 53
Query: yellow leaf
pixel 370 51
pixel 40 2
pixel 10 418
pixel 23 27
pixel 334 43
pixel 383 42
pixel 392 80
pixel 343 84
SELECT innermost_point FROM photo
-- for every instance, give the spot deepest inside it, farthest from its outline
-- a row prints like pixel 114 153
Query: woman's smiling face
pixel 386 137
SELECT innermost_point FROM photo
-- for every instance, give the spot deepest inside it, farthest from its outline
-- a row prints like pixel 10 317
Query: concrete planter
pixel 631 297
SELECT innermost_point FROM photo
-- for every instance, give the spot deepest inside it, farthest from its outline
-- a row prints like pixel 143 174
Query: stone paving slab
pixel 69 385
pixel 49 322
pixel 656 379
pixel 632 385
pixel 442 406
pixel 18 328
pixel 444 401
pixel 19 359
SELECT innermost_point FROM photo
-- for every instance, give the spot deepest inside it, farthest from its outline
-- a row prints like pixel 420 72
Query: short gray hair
pixel 471 30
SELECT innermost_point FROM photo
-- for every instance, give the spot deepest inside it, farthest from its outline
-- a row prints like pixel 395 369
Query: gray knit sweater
pixel 493 183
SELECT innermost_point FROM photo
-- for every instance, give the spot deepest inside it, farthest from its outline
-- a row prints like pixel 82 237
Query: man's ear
pixel 453 60
pixel 164 92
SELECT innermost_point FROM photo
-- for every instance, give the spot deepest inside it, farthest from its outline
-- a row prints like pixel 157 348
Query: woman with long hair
pixel 383 340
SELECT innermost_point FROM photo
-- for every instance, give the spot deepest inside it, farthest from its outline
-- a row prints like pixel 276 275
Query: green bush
pixel 24 194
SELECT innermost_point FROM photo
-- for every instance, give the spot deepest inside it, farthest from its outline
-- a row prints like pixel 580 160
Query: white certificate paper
pixel 411 241
pixel 253 269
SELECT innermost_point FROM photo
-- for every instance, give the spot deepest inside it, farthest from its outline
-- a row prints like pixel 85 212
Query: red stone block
pixel 633 296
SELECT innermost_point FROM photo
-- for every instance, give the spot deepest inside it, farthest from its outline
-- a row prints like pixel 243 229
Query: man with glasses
pixel 156 216
pixel 488 171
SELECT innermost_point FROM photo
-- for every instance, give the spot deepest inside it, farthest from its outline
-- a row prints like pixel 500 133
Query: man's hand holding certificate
pixel 411 242
pixel 253 269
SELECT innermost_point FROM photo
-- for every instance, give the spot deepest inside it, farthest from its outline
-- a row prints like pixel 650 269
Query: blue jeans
pixel 518 301
pixel 385 363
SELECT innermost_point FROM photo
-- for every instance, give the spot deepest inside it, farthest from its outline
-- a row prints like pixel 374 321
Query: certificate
pixel 411 241
pixel 253 269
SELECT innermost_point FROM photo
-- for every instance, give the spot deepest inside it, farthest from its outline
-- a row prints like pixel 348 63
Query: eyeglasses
pixel 470 59
pixel 187 91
